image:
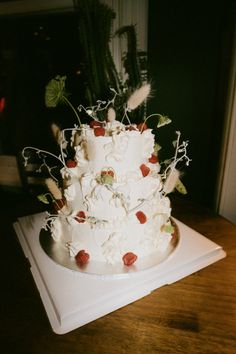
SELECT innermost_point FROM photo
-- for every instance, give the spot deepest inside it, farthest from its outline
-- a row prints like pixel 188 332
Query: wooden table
pixel 195 315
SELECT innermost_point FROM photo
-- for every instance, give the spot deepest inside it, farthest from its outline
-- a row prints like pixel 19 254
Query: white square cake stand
pixel 71 299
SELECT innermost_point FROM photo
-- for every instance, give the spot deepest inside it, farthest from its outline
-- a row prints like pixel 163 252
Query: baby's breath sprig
pixel 171 175
pixel 42 154
pixel 180 155
pixel 49 221
pixel 99 107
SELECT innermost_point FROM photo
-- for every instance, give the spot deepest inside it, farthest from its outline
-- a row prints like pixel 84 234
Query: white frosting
pixel 56 229
pixel 124 151
pixel 124 210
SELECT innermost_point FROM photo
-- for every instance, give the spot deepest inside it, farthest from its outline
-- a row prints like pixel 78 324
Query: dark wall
pixel 33 50
pixel 189 53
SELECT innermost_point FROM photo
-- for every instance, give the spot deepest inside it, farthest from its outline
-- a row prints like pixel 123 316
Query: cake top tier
pixel 116 147
pixel 106 143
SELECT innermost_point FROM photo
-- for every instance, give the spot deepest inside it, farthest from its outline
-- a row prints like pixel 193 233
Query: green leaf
pixel 107 179
pixel 157 147
pixel 43 198
pixel 55 91
pixel 163 120
pixel 180 187
pixel 168 228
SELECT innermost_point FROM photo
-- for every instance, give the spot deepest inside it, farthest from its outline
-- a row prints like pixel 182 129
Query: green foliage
pixel 95 23
pixel 168 228
pixel 163 120
pixel 131 63
pixel 55 91
pixel 43 198
pixel 157 147
pixel 105 179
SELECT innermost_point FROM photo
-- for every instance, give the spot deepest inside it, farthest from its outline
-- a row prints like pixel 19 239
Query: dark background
pixel 189 54
pixel 34 49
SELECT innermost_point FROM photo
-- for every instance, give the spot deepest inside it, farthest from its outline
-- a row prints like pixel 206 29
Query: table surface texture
pixel 194 315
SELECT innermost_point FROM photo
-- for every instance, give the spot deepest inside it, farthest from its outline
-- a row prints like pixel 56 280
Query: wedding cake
pixel 111 204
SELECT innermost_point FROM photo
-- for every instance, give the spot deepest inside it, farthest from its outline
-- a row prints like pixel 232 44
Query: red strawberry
pixel 130 127
pixel 107 172
pixel 80 217
pixel 153 159
pixel 59 203
pixel 129 258
pixel 71 163
pixel 95 123
pixel 99 131
pixel 142 126
pixel 82 257
pixel 141 217
pixel 110 173
pixel 145 170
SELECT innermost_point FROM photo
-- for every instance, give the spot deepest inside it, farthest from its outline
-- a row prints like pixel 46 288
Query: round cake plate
pixel 60 255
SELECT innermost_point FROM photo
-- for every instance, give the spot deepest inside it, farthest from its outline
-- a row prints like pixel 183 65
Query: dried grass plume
pixel 56 132
pixel 138 97
pixel 171 181
pixel 111 114
pixel 53 188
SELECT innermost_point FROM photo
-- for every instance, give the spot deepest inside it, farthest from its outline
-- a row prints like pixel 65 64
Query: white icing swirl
pixel 111 249
pixel 73 248
pixel 56 229
pixel 68 173
pixel 80 154
pixel 116 149
pixel 70 192
pixel 148 143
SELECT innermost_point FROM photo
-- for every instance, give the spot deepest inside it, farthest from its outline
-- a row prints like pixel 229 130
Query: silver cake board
pixel 73 299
